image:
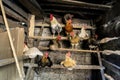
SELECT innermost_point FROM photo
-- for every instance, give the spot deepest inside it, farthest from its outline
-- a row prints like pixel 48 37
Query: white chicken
pixel 83 34
pixel 33 52
pixel 55 25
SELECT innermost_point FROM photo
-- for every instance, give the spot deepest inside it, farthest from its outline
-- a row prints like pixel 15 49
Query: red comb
pixel 68 54
pixel 51 16
pixel 46 54
pixel 58 37
pixel 72 33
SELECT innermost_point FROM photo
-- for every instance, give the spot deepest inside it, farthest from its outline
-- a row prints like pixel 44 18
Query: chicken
pixel 68 62
pixel 44 61
pixel 83 34
pixel 93 43
pixel 33 52
pixel 74 39
pixel 68 26
pixel 55 25
pixel 56 43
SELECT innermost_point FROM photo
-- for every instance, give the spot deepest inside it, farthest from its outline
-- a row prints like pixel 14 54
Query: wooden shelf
pixel 40 24
pixel 69 49
pixel 61 67
pixel 47 37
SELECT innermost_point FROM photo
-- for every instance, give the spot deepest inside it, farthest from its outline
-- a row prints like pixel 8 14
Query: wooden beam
pixel 108 77
pixel 80 12
pixel 10 22
pixel 16 8
pixel 68 49
pixel 53 5
pixel 10 40
pixel 31 25
pixel 46 37
pixel 40 24
pixel 112 67
pixel 31 7
pixel 94 67
pixel 8 61
pixel 14 15
pixel 82 4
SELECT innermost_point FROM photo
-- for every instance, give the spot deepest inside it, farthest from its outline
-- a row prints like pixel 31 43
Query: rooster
pixel 56 43
pixel 68 26
pixel 68 62
pixel 83 34
pixel 74 39
pixel 44 61
pixel 55 25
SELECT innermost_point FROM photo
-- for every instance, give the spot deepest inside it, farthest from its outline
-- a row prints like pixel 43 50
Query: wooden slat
pixel 69 49
pixel 16 8
pixel 112 67
pixel 40 24
pixel 82 4
pixel 32 25
pixel 31 7
pixel 46 37
pixel 14 15
pixel 8 61
pixel 10 22
pixel 76 67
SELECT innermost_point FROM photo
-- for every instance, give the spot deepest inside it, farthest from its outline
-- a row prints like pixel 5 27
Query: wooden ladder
pixel 32 65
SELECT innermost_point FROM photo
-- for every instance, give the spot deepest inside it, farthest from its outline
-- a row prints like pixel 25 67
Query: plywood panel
pixel 10 71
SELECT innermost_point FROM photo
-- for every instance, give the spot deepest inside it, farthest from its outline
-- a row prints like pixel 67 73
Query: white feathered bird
pixel 55 25
pixel 33 52
pixel 83 34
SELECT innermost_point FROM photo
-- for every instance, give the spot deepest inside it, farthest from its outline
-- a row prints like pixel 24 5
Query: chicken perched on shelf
pixel 55 25
pixel 68 62
pixel 56 43
pixel 44 61
pixel 68 26
pixel 83 34
pixel 74 40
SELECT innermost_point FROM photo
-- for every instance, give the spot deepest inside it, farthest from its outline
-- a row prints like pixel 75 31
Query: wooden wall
pixel 9 72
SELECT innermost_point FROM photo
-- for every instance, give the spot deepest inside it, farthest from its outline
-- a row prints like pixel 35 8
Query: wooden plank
pixel 14 15
pixel 31 7
pixel 16 8
pixel 64 6
pixel 8 61
pixel 47 37
pixel 80 12
pixel 29 70
pixel 108 77
pixel 32 25
pixel 40 24
pixel 69 49
pixel 76 67
pixel 100 63
pixel 82 4
pixel 112 67
pixel 12 24
pixel 6 52
pixel 10 40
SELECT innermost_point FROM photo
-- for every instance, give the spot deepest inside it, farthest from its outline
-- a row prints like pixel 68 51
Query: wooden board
pixel 6 52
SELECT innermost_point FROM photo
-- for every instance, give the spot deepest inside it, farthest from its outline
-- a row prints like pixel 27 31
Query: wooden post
pixel 32 25
pixel 10 39
pixel 31 29
pixel 100 63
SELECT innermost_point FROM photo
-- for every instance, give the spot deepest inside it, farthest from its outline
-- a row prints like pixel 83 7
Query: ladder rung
pixel 40 24
pixel 69 49
pixel 94 67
